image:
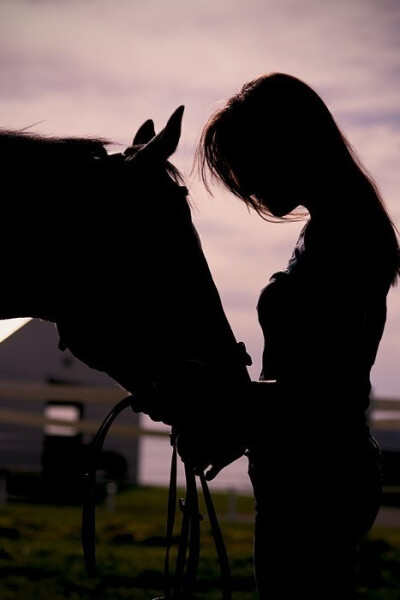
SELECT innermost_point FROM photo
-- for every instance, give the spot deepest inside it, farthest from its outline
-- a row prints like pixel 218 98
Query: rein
pixel 181 585
pixel 89 485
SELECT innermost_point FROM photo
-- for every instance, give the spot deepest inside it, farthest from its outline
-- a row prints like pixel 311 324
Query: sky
pixel 102 67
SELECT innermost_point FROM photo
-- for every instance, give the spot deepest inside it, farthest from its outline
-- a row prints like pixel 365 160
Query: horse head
pixel 121 271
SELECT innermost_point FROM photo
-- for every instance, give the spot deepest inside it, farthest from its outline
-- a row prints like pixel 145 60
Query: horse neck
pixel 205 332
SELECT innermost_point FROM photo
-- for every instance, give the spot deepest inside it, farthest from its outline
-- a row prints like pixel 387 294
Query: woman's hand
pixel 210 446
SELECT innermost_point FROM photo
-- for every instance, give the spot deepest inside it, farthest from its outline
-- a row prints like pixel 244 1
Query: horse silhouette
pixel 104 246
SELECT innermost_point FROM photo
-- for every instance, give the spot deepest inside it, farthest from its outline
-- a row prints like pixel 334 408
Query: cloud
pixel 102 67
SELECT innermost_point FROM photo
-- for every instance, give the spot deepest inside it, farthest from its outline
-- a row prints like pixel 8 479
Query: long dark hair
pixel 279 117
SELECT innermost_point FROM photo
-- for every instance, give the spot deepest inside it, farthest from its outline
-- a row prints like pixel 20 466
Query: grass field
pixel 41 556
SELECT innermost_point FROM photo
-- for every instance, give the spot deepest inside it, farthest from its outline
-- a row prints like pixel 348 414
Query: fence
pixel 384 412
pixel 152 453
pixel 41 393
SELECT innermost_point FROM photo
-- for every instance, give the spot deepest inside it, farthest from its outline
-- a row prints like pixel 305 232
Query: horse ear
pixel 166 142
pixel 145 133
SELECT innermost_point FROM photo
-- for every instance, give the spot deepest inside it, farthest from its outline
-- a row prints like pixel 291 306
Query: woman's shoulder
pixel 360 249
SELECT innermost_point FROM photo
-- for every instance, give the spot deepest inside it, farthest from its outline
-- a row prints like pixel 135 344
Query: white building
pixel 34 372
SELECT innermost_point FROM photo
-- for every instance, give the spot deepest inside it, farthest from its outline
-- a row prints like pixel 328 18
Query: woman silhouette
pixel 314 465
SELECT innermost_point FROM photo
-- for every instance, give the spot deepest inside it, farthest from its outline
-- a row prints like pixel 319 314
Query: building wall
pixel 31 355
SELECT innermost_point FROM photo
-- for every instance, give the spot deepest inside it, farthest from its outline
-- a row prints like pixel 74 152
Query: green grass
pixel 41 556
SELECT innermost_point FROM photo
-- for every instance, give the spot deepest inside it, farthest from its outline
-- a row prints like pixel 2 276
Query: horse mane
pixel 32 149
pixel 174 173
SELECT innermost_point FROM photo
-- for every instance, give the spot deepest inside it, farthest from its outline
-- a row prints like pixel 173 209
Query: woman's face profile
pixel 278 202
pixel 268 169
pixel 278 205
pixel 273 186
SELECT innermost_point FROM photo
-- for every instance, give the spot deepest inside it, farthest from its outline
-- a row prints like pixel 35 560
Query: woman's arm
pixel 216 440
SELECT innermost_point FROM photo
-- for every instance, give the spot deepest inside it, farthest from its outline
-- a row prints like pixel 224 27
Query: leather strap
pixel 218 540
pixel 181 587
pixel 89 489
pixel 183 584
pixel 170 519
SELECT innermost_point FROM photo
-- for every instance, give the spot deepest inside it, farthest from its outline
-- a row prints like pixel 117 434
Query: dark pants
pixel 314 502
